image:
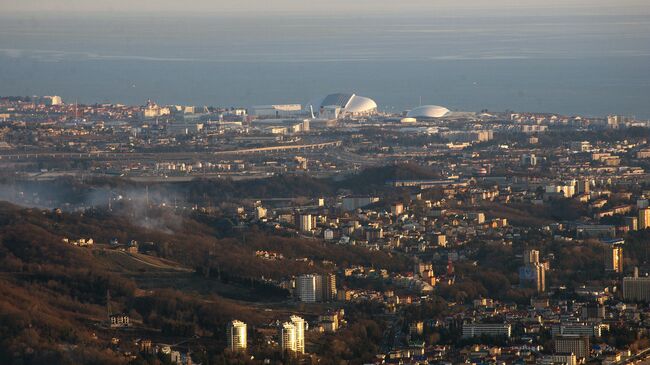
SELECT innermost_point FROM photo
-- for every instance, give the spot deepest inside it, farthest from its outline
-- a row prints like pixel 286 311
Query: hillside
pixel 190 282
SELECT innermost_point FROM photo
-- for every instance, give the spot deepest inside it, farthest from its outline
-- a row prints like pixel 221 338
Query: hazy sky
pixel 324 6
pixel 570 56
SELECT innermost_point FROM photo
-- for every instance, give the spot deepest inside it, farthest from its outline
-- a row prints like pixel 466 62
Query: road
pixel 167 156
pixel 638 357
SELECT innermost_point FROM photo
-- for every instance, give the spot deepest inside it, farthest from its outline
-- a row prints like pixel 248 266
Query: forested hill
pixel 192 279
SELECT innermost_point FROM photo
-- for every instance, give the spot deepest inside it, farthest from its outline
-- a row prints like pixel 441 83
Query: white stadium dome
pixel 428 111
pixel 349 104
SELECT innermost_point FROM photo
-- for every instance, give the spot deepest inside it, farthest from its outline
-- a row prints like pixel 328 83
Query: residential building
pixel 531 256
pixel 312 288
pixel 288 338
pixel 636 288
pixel 614 258
pixel 533 276
pixel 555 359
pixel 354 202
pixel 644 218
pixel 236 332
pixel 306 288
pixel 486 329
pixel 299 325
pixel 306 222
pixel 572 344
pixel 119 320
pixel 577 328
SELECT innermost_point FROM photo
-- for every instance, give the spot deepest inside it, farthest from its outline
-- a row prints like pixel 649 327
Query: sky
pixel 326 7
pixel 587 57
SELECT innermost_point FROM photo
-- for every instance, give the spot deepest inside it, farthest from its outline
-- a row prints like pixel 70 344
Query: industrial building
pixel 276 111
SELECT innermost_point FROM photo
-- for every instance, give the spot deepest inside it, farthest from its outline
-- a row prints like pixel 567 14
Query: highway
pixel 638 357
pixel 167 156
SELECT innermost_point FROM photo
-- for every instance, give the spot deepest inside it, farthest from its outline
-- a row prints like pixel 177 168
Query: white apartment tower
pixel 293 336
pixel 299 325
pixel 236 332
pixel 288 337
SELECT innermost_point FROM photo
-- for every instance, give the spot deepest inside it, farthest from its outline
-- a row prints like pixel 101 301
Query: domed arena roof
pixel 428 111
pixel 350 104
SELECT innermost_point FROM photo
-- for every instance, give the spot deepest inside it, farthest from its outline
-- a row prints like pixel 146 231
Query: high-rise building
pixel 644 218
pixel 292 335
pixel 328 287
pixel 312 288
pixel 478 217
pixel 531 256
pixel 583 186
pixel 236 333
pixel 299 325
pixel 572 344
pixel 614 258
pixel 593 312
pixel 529 160
pixel 288 337
pixel 533 273
pixel 533 276
pixel 631 222
pixel 540 282
pixel 306 288
pixel 306 222
pixel 416 328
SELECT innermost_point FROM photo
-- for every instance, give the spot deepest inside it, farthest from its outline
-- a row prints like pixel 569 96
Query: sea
pixel 578 64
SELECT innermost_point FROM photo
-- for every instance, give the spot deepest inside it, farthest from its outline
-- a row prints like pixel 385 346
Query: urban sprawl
pixel 439 236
